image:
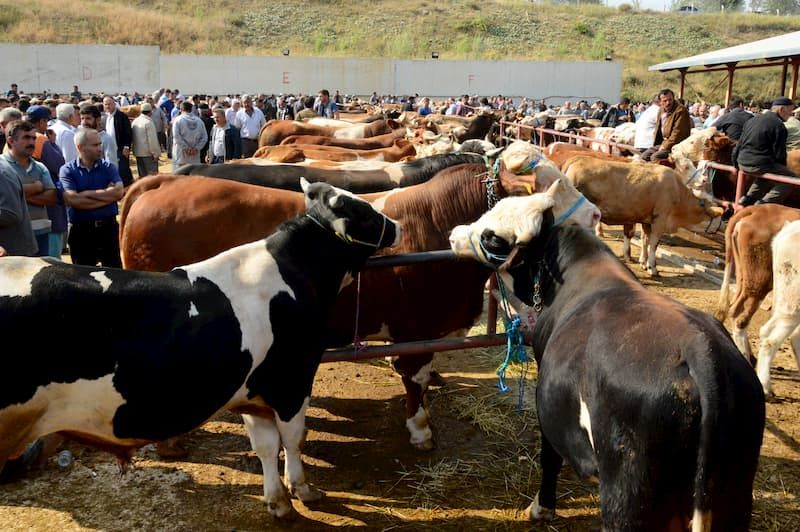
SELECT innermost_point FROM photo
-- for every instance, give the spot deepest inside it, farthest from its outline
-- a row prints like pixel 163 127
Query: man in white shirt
pixel 230 113
pixel 250 119
pixel 64 129
pixel 646 127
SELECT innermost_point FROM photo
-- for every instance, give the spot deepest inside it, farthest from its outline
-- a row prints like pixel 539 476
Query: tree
pixel 783 7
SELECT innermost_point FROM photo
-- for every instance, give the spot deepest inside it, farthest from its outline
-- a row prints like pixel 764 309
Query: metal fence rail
pixel 352 354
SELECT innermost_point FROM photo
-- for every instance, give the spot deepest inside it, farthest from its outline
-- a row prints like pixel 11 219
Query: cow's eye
pixel 495 244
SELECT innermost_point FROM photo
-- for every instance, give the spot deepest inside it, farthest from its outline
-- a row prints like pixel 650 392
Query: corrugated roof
pixel 771 48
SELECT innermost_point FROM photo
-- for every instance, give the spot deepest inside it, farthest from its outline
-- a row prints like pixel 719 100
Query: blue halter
pixel 571 210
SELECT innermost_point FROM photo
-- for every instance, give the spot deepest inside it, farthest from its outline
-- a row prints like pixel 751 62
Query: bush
pixel 625 8
pixel 582 28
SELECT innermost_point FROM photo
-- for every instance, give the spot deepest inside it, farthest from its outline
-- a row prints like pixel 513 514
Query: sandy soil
pixel 480 476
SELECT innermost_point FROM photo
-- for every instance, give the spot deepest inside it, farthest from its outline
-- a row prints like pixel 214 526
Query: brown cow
pixel 276 130
pixel 370 143
pixel 561 152
pixel 168 221
pixel 652 195
pixel 748 241
pixel 290 153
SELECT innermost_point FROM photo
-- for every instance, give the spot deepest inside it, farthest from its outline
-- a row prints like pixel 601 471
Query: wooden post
pixel 683 82
pixel 729 91
pixel 795 65
pixel 784 71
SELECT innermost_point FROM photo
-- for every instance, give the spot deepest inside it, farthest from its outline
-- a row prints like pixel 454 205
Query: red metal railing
pixel 351 354
pixel 741 175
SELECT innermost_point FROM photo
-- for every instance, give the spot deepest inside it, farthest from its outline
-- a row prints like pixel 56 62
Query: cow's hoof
pixel 436 380
pixel 540 513
pixel 171 448
pixel 281 508
pixel 306 492
pixel 770 397
pixel 653 272
pixel 424 445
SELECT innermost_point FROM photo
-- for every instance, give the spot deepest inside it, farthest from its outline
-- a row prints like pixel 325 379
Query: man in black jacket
pixel 762 149
pixel 619 114
pixel 732 122
pixel 119 126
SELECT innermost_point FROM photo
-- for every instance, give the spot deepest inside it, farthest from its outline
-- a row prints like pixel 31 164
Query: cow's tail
pixel 730 263
pixel 707 451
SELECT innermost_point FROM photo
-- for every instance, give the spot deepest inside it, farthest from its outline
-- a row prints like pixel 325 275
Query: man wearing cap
pixel 145 142
pixel 762 149
pixel 46 152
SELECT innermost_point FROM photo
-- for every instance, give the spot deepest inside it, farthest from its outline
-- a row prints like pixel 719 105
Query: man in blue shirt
pixel 92 187
pixel 326 107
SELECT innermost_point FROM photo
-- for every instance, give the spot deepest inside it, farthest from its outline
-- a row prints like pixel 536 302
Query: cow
pixel 241 331
pixel 561 152
pixel 400 150
pixel 748 238
pixel 785 317
pixel 671 424
pixel 277 130
pixel 379 141
pixel 359 181
pixel 596 133
pixel 212 215
pixel 692 147
pixel 652 195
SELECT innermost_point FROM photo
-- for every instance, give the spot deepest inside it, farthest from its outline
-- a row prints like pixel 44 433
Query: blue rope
pixel 571 210
pixel 515 349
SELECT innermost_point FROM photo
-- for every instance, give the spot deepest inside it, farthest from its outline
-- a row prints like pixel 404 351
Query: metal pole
pixel 491 311
pixel 739 189
pixel 414 348
pixel 784 71
pixel 683 82
pixel 729 91
pixel 795 66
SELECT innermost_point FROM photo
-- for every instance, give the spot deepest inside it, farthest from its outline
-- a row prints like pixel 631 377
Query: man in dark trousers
pixel 762 149
pixel 119 126
pixel 732 123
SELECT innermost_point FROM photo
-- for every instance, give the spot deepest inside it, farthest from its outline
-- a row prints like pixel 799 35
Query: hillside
pixel 490 29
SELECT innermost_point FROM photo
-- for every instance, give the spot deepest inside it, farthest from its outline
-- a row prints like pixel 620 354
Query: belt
pixel 100 222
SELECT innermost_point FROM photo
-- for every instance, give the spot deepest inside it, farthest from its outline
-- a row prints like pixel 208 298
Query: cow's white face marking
pixel 103 279
pixel 585 420
pixel 193 310
pixel 17 273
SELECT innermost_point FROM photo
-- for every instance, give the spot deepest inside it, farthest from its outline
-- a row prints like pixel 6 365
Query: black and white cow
pixel 634 388
pixel 158 354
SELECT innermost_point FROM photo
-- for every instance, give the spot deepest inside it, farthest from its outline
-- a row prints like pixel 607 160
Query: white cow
pixel 786 302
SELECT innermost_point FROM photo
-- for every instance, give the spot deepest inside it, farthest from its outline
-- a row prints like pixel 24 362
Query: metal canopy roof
pixel 779 47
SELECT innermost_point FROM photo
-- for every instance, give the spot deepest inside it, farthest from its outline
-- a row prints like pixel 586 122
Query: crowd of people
pixel 66 158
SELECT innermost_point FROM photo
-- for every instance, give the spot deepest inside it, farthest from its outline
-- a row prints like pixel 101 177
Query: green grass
pixel 489 30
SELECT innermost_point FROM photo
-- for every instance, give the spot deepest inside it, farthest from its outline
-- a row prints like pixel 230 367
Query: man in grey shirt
pixel 16 233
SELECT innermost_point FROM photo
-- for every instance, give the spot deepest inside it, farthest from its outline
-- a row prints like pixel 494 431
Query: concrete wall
pixel 127 68
pixel 95 68
pixel 554 81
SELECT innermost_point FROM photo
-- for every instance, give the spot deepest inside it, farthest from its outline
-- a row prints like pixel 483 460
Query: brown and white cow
pixel 399 151
pixel 785 317
pixel 748 240
pixel 277 130
pixel 652 195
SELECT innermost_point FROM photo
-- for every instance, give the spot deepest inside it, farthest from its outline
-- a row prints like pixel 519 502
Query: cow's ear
pixel 336 201
pixel 304 184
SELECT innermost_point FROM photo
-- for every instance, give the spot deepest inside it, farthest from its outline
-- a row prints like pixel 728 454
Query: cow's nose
pixel 595 218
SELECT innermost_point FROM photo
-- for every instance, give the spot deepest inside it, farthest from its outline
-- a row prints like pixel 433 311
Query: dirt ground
pixel 481 475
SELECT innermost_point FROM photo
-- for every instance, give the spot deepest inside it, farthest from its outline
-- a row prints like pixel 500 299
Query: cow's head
pixel 718 148
pixel 525 169
pixel 517 221
pixel 349 217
